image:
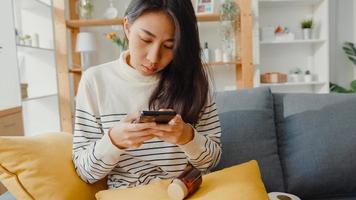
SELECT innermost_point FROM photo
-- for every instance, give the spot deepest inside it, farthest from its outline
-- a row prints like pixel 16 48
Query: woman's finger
pixel 130 117
pixel 165 109
pixel 140 140
pixel 138 134
pixel 177 119
pixel 164 127
pixel 133 127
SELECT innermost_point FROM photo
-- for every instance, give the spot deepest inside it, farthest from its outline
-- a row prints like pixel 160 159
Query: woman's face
pixel 151 42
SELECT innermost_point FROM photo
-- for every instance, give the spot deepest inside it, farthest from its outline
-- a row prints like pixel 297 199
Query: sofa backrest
pixel 249 133
pixel 317 143
pixel 305 144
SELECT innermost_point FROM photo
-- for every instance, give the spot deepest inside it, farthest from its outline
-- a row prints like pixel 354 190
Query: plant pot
pixel 28 42
pixel 308 78
pixel 307 33
pixel 295 78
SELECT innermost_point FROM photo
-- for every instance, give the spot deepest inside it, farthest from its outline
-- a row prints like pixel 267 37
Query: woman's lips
pixel 149 69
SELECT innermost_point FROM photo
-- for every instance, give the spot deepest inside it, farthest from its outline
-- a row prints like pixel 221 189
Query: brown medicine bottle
pixel 185 184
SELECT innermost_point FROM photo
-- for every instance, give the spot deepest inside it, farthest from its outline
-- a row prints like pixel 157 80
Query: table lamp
pixel 85 44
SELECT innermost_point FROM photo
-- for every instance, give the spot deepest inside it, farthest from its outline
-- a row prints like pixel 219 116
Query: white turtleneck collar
pixel 132 74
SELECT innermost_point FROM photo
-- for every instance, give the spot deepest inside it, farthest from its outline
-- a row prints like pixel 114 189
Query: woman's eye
pixel 145 40
pixel 168 47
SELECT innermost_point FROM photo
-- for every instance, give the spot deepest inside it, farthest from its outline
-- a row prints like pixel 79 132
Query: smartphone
pixel 160 117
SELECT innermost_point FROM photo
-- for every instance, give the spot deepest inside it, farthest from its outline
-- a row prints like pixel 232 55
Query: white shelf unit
pixel 293 84
pixel 37 66
pixel 284 56
pixel 313 41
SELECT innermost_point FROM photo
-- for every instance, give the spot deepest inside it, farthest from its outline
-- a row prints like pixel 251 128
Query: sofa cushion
pixel 248 132
pixel 317 144
pixel 41 167
pixel 238 182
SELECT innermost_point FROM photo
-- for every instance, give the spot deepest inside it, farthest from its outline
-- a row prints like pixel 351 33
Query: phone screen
pixel 161 117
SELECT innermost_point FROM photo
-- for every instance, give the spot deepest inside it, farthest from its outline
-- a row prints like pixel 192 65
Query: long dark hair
pixel 183 84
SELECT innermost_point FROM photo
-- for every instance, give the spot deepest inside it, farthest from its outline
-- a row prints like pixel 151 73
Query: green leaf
pixel 350 51
pixel 351 46
pixel 353 60
pixel 353 85
pixel 338 89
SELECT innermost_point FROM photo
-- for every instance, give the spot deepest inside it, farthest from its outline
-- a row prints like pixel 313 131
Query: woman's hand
pixel 131 135
pixel 175 132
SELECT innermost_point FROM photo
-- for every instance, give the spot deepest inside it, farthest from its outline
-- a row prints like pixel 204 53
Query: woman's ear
pixel 126 27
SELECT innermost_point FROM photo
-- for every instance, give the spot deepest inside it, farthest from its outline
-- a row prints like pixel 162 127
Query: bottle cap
pixel 177 190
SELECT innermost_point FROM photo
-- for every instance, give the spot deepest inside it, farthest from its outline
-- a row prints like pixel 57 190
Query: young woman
pixel 162 69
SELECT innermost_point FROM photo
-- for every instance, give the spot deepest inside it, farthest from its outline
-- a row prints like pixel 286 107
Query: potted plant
pixel 350 51
pixel 27 40
pixel 85 9
pixel 295 75
pixel 308 77
pixel 307 26
pixel 229 15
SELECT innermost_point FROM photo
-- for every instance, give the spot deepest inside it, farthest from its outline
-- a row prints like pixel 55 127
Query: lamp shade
pixel 85 42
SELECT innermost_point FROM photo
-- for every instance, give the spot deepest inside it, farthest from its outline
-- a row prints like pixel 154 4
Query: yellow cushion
pixel 238 182
pixel 41 167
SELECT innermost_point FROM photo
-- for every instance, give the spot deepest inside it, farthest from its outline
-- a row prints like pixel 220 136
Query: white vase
pixel 35 40
pixel 218 55
pixel 307 33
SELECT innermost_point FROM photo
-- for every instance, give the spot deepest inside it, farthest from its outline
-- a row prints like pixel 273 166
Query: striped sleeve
pixel 94 156
pixel 204 151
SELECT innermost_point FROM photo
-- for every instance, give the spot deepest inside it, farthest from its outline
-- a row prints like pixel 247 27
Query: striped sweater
pixel 106 94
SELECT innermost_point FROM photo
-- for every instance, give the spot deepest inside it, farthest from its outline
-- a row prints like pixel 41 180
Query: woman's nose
pixel 153 54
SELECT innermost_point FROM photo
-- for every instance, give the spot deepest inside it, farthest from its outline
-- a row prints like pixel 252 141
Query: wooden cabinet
pixel 11 123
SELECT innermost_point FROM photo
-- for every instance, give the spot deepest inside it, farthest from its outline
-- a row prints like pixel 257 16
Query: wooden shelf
pixel 10 111
pixel 93 22
pixel 119 21
pixel 208 17
pixel 75 70
pixel 237 62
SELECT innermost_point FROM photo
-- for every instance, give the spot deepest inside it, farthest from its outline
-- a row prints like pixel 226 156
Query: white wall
pixel 9 78
pixel 342 28
pixel 354 11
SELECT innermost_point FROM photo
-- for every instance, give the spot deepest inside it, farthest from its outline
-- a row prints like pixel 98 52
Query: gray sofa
pixel 305 144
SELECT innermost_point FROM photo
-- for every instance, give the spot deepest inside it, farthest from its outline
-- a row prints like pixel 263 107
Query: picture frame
pixel 204 6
